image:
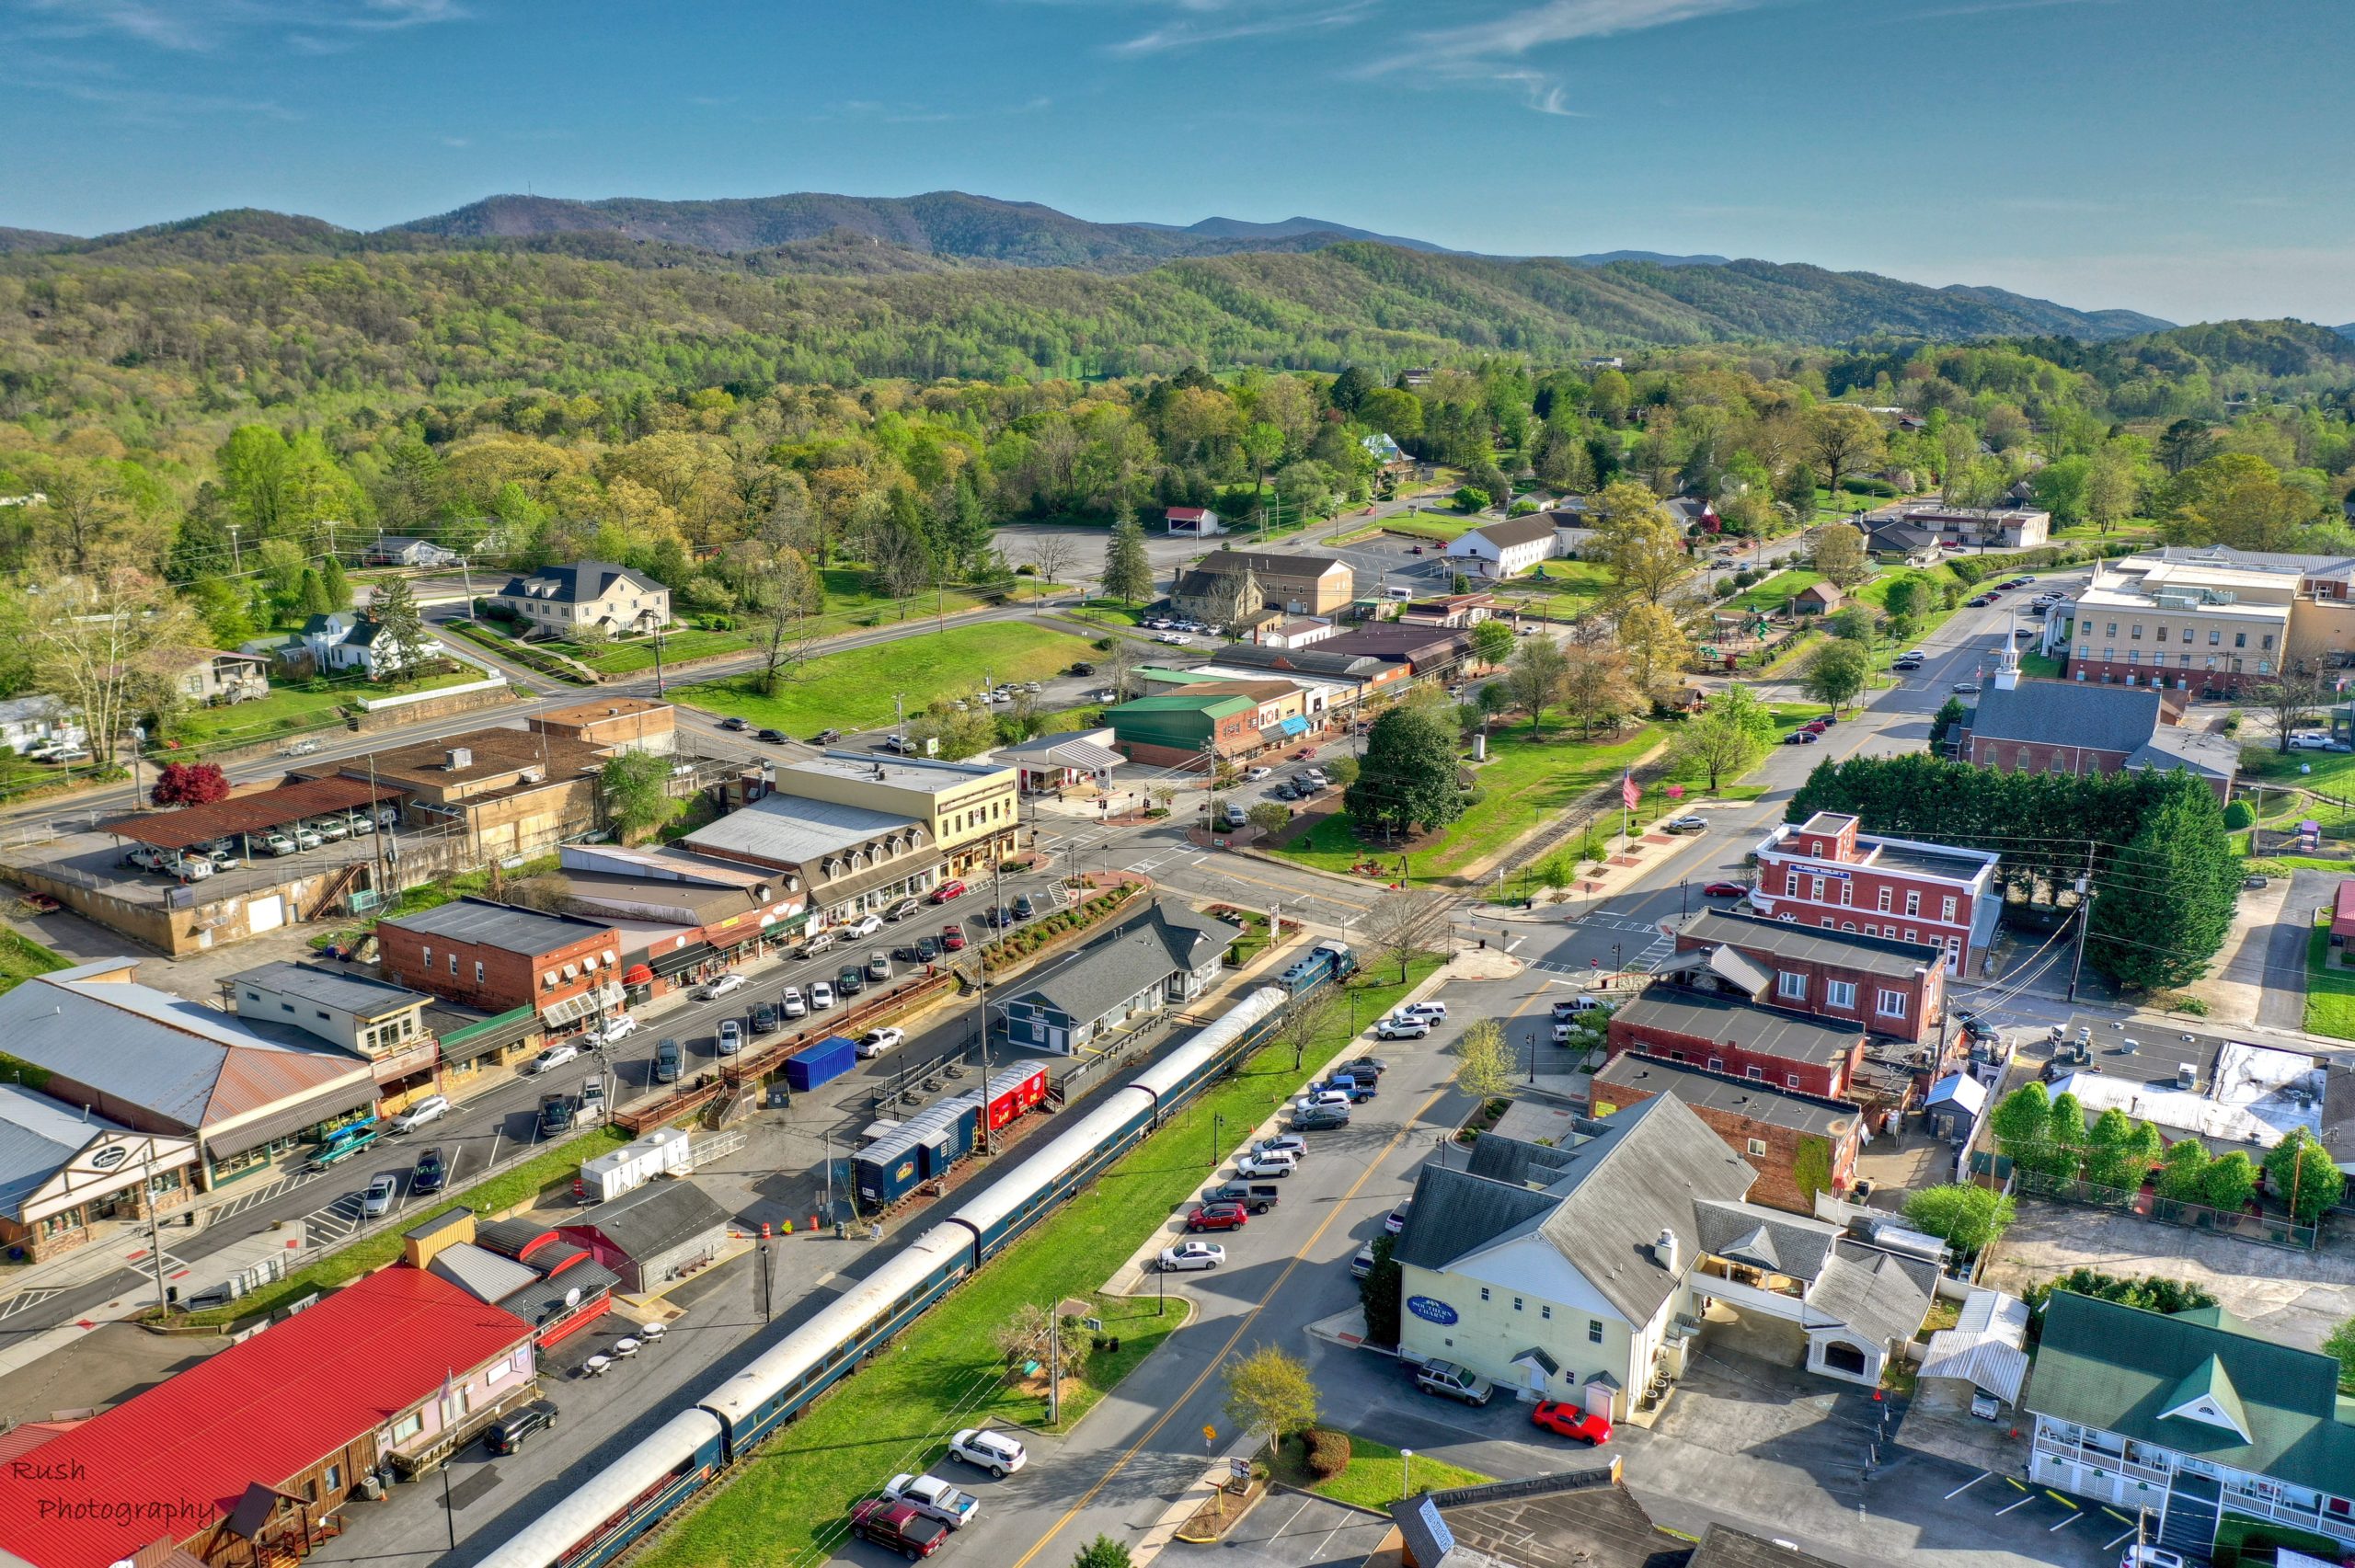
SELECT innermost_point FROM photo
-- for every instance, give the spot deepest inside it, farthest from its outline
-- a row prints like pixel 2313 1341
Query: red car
pixel 897 1527
pixel 952 888
pixel 1569 1421
pixel 953 939
pixel 1725 890
pixel 1218 1217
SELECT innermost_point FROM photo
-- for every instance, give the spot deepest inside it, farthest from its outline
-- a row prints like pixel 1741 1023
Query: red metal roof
pixel 181 1455
pixel 2342 914
pixel 257 813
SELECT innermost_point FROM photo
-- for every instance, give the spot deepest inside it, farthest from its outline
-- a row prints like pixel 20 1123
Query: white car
pixel 999 1453
pixel 1267 1164
pixel 866 927
pixel 791 1003
pixel 621 1028
pixel 875 1042
pixel 722 986
pixel 195 867
pixel 1434 1011
pixel 555 1056
pixel 1253 775
pixel 1175 639
pixel 304 839
pixel 822 996
pixel 279 843
pixel 335 829
pixel 934 1498
pixel 432 1108
pixel 377 1201
pixel 1324 1099
pixel 1402 1029
pixel 1191 1254
pixel 2150 1557
pixel 730 1038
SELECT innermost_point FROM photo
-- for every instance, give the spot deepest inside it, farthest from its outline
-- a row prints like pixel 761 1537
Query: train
pixel 602 1517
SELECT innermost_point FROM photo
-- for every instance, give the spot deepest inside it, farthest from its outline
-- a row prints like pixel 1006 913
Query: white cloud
pixel 1215 21
pixel 198 26
pixel 1565 21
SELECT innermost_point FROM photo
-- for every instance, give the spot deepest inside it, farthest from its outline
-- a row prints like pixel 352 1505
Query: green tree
pixel 1948 718
pixel 1969 1219
pixel 1381 1292
pixel 2183 1172
pixel 2021 1125
pixel 1269 1393
pixel 1103 1552
pixel 1407 778
pixel 2229 1182
pixel 1655 645
pixel 637 790
pixel 2340 1345
pixel 312 597
pixel 337 586
pixel 394 608
pixel 1840 556
pixel 1634 541
pixel 1469 498
pixel 1726 737
pixel 1492 642
pixel 1908 598
pixel 2180 881
pixel 1483 1061
pixel 1534 677
pixel 1270 817
pixel 1845 439
pixel 1128 571
pixel 1836 672
pixel 2069 1140
pixel 2122 1151
pixel 2303 1178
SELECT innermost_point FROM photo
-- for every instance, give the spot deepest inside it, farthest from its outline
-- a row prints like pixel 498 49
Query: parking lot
pixel 1296 1529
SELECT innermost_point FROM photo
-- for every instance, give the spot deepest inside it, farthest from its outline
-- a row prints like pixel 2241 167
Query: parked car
pixel 822 996
pixel 1189 1255
pixel 849 980
pixel 952 938
pixel 773 738
pixel 1568 1420
pixel 1319 1118
pixel 952 888
pixel 1218 1217
pixel 668 1060
pixel 1253 775
pixel 722 986
pixel 359 822
pixel 1725 889
pixel 1258 1199
pixel 506 1435
pixel 875 1042
pixel 1688 823
pixel 1362 1263
pixel 764 1017
pixel 734 722
pixel 377 1201
pixel 307 839
pixel 1000 1453
pixel 555 1056
pixel 792 1003
pixel 934 1497
pixel 818 942
pixel 879 966
pixel 1434 1011
pixel 1803 737
pixel 620 1028
pixel 1024 909
pixel 897 1527
pixel 432 1108
pixel 1401 1029
pixel 825 738
pixel 1966 688
pixel 334 829
pixel 1445 1378
pixel 1283 1143
pixel 555 1114
pixel 1366 1066
pixel 730 1037
pixel 431 1174
pixel 279 843
pixel 866 927
pixel 1396 1220
pixel 2142 1556
pixel 1252 1166
pixel 928 950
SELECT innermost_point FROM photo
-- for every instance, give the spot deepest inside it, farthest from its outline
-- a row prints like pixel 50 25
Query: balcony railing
pixel 2065 1452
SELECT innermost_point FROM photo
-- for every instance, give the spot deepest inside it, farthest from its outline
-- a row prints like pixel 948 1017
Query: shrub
pixel 1328 1453
pixel 2238 815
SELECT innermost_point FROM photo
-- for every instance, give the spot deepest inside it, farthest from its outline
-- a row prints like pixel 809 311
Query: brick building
pixel 2079 727
pixel 1830 974
pixel 1739 1038
pixel 1779 1133
pixel 510 791
pixel 499 958
pixel 1827 874
pixel 1174 730
pixel 613 724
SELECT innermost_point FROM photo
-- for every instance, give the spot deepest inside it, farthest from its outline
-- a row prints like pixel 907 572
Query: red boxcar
pixel 1013 1092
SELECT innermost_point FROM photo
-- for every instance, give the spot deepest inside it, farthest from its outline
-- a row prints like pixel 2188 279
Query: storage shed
pixel 654 1237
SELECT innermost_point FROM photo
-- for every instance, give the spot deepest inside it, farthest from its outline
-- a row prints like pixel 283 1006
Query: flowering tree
pixel 191 784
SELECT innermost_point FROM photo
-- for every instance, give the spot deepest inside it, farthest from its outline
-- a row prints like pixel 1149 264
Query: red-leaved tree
pixel 191 784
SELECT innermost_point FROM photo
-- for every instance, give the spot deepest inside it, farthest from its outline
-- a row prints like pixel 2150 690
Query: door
pixel 1536 1375
pixel 266 914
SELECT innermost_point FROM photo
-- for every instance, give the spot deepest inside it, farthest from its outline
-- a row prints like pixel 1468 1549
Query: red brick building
pixel 499 958
pixel 1731 1034
pixel 1887 987
pixel 2072 727
pixel 1795 1142
pixel 1828 873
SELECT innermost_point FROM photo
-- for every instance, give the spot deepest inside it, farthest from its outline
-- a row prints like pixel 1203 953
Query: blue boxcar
pixel 886 1169
pixel 822 1063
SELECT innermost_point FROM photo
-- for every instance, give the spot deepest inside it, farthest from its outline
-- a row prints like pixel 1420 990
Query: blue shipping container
pixel 822 1063
pixel 886 1169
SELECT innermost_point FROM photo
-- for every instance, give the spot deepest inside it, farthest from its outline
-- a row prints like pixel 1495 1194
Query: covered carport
pixel 1984 1353
pixel 247 817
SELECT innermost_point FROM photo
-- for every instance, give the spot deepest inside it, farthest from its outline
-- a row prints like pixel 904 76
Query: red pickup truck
pixel 897 1527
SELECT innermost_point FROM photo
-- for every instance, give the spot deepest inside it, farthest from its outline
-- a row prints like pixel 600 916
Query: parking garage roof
pixel 258 813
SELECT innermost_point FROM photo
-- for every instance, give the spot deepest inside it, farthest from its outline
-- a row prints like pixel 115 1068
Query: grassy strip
pixel 1434 525
pixel 1776 592
pixel 348 1263
pixel 1375 1476
pixel 291 708
pixel 853 690
pixel 942 1374
pixel 1107 612
pixel 22 958
pixel 2330 992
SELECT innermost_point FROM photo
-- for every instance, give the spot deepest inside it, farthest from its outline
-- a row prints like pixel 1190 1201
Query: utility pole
pixel 658 659
pixel 154 1230
pixel 1054 1367
pixel 237 557
pixel 2084 919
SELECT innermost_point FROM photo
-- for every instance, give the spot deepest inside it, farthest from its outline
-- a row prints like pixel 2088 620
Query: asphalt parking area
pixel 2023 1505
pixel 1298 1530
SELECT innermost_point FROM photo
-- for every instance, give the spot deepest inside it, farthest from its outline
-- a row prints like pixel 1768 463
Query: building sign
pixel 107 1158
pixel 1431 1309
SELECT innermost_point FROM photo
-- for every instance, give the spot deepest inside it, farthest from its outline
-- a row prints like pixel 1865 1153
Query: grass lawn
pixel 504 1191
pixel 1375 1476
pixel 786 1505
pixel 1526 780
pixel 1562 588
pixel 290 709
pixel 1107 612
pixel 22 958
pixel 2330 993
pixel 853 690
pixel 1442 526
pixel 1774 593
pixel 2041 666
pixel 2333 772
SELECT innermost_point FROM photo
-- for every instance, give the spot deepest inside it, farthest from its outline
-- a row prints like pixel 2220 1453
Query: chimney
pixel 1664 1251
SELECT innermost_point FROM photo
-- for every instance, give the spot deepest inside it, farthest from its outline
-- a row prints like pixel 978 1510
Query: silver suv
pixel 1454 1381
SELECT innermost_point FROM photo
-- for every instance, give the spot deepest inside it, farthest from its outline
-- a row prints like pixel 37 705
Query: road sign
pixel 1239 1467
pixel 1210 1435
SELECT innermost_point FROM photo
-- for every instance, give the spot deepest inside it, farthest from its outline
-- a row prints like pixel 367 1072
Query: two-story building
pixel 384 1022
pixel 1293 583
pixel 2193 1416
pixel 2081 726
pixel 347 640
pixel 499 957
pixel 682 917
pixel 1834 974
pixel 1829 874
pixel 972 810
pixel 1799 1144
pixel 843 862
pixel 1505 549
pixel 511 792
pixel 1159 958
pixel 560 600
pixel 2201 625
pixel 1731 1035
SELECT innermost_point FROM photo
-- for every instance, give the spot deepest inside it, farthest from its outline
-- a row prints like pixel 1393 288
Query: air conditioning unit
pixel 2186 1076
pixel 459 758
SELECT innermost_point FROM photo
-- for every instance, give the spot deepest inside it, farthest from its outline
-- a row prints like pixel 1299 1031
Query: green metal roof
pixel 2208 1383
pixel 1216 705
pixel 2119 1368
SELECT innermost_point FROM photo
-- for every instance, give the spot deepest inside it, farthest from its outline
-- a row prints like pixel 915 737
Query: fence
pixel 2267 1230
pixel 402 700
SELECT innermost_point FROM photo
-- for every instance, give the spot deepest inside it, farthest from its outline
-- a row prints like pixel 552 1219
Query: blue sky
pixel 2187 157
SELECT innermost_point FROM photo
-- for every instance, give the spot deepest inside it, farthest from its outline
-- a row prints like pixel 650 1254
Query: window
pixel 428 958
pixel 1848 891
pixel 1945 908
pixel 1791 984
pixel 285 1007
pixel 1483 1293
pixel 1516 1303
pixel 2214 637
pixel 1790 1081
pixel 409 1426
pixel 1758 1146
pixel 2133 656
pixel 477 971
pixel 1911 934
pixel 2240 639
pixel 1594 1331
pixel 1755 1075
pixel 1840 993
pixel 2113 629
pixel 1912 900
pixel 453 965
pixel 1545 1312
pixel 2136 634
pixel 334 1478
pixel 1825 922
pixel 1717 1064
pixel 1892 1004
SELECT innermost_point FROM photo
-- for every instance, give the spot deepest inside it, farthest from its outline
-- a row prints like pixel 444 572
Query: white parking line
pixel 1972 1483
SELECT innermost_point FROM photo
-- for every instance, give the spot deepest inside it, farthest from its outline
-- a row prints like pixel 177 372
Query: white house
pixel 1199 521
pixel 560 600
pixel 346 640
pixel 1504 549
pixel 1579 1270
pixel 26 721
pixel 401 550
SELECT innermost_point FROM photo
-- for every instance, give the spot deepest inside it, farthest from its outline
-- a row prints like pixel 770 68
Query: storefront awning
pixel 1294 726
pixel 637 975
pixel 679 960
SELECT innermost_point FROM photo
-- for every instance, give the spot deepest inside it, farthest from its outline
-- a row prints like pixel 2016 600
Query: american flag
pixel 1627 790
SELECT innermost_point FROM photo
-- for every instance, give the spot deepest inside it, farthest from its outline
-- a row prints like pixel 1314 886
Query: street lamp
pixel 1406 1472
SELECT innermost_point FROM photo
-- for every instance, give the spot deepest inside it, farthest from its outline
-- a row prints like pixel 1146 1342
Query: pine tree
pixel 394 608
pixel 1128 572
pixel 2166 913
pixel 339 585
pixel 312 597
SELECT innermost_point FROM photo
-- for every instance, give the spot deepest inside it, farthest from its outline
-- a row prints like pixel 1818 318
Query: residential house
pixel 1387 457
pixel 385 1024
pixel 1198 521
pixel 1453 610
pixel 1506 549
pixel 1830 974
pixel 510 791
pixel 560 601
pixel 1294 583
pixel 1827 873
pixel 1799 1143
pixel 347 640
pixel 2078 727
pixel 2193 1416
pixel 1159 958
pixel 212 678
pixel 256 1453
pixel 1575 1271
pixel 653 1237
pixel 971 809
pixel 40 721
pixel 1691 514
pixel 158 1064
pixel 499 957
pixel 403 550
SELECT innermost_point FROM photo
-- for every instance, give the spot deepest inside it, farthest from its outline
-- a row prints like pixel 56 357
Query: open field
pixel 22 958
pixel 942 1374
pixel 1774 593
pixel 293 708
pixel 854 690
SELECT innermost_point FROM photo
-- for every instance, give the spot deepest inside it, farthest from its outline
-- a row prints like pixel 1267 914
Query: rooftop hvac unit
pixel 527 775
pixel 459 758
pixel 2187 1077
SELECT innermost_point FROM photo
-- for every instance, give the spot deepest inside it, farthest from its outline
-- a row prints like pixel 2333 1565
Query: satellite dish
pixel 572 1298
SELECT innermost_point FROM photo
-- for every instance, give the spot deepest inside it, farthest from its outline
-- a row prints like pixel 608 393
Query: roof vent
pixel 459 758
pixel 2186 1076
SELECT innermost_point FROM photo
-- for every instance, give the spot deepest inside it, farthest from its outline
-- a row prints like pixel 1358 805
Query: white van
pixel 1401 594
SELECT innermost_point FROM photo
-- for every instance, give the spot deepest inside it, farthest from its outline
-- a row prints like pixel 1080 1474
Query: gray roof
pixel 1731 965
pixel 928 775
pixel 1770 1031
pixel 1722 1546
pixel 481 1273
pixel 549 1295
pixel 350 993
pixel 1880 1296
pixel 1749 1098
pixel 1267 564
pixel 1640 1175
pixel 2068 713
pixel 792 830
pixel 2211 756
pixel 504 926
pixel 2226 555
pixel 1318 659
pixel 37 1136
pixel 580 581
pixel 1142 951
pixel 509 1237
pixel 1575 1518
pixel 1787 939
pixel 24 710
pixel 653 1219
pixel 1525 529
pixel 1764 1238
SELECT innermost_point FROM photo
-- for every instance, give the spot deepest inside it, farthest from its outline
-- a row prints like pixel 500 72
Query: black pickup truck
pixel 1258 1200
